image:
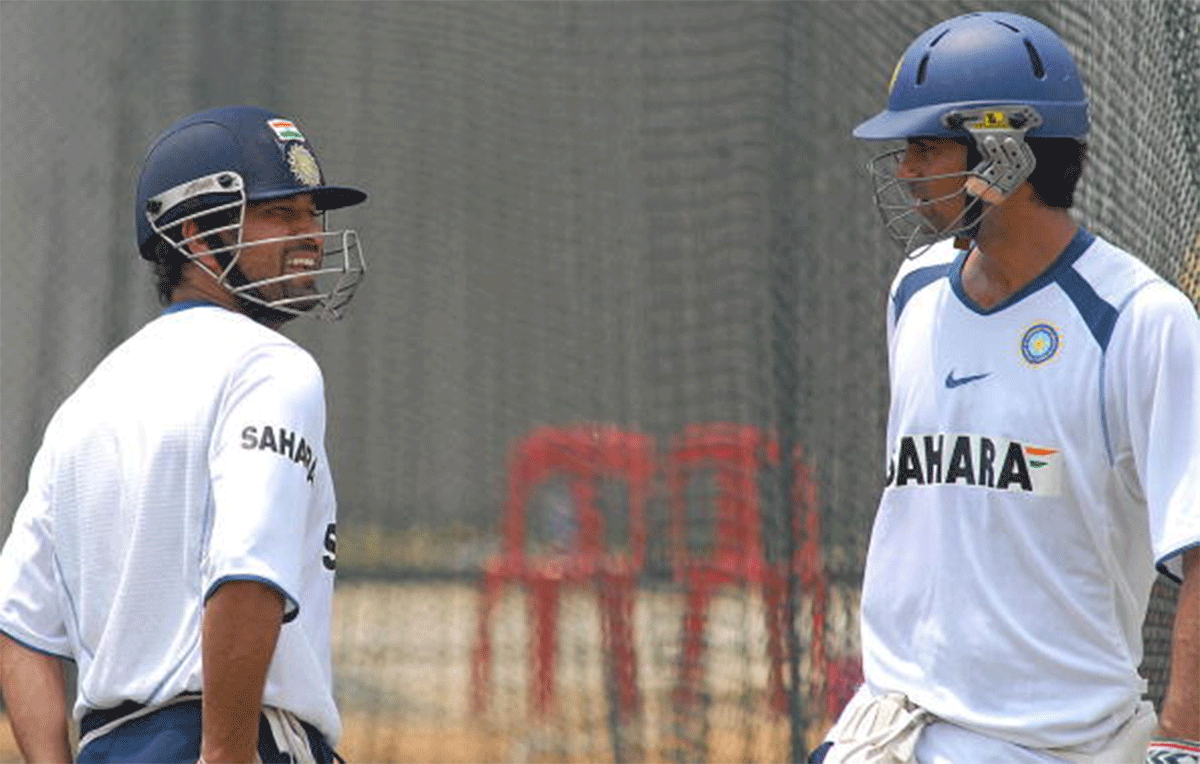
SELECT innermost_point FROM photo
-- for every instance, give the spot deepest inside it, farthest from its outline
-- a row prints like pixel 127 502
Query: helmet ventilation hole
pixel 1039 69
pixel 921 67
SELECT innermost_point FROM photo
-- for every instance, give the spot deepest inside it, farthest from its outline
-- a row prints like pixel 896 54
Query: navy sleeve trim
pixel 291 606
pixel 915 282
pixel 35 648
pixel 1161 564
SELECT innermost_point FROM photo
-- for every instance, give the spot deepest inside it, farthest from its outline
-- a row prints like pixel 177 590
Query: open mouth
pixel 303 263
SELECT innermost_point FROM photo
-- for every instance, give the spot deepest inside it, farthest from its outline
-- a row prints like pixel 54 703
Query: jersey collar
pixel 1073 251
pixel 183 305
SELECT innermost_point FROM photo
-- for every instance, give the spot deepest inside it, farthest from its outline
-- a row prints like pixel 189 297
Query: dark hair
pixel 168 269
pixel 1059 165
pixel 1058 169
pixel 169 261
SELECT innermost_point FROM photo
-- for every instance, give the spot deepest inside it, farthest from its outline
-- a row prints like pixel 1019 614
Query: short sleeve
pixel 1159 360
pixel 30 601
pixel 267 443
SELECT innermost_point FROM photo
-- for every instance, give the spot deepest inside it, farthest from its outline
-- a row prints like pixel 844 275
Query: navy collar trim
pixel 1072 252
pixel 177 307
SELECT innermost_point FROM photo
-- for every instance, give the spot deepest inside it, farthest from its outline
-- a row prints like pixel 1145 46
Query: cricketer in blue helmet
pixel 1043 436
pixel 178 537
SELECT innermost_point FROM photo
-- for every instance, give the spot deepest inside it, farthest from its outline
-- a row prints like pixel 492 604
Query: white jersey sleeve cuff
pixel 31 643
pixel 1171 565
pixel 291 607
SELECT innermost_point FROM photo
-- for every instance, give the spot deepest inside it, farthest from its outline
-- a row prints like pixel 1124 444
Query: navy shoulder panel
pixel 1099 315
pixel 915 282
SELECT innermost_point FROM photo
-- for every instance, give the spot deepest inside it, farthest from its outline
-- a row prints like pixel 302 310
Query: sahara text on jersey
pixel 285 443
pixel 975 460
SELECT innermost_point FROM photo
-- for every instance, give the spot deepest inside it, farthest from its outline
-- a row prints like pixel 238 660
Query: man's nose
pixel 308 229
pixel 907 167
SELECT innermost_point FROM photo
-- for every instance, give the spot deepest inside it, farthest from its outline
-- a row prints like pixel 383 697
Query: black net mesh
pixel 603 224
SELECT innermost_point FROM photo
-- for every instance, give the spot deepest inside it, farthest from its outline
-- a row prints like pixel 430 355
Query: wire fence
pixel 639 232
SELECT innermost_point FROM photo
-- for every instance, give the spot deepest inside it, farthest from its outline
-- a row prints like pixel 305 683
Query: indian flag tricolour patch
pixel 285 130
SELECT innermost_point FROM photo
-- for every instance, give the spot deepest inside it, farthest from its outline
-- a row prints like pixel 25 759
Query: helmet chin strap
pixel 1005 159
pixel 972 219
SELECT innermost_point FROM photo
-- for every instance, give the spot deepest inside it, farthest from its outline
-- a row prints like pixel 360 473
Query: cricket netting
pixel 606 421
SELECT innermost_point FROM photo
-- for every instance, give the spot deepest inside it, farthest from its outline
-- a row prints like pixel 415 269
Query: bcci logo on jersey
pixel 1039 344
pixel 975 460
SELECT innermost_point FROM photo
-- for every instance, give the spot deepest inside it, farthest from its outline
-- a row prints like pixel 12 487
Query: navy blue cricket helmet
pixel 980 60
pixel 222 160
pixel 994 79
pixel 268 152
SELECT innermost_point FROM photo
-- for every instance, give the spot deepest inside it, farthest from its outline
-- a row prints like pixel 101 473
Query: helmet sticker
pixel 992 120
pixel 285 130
pixel 304 165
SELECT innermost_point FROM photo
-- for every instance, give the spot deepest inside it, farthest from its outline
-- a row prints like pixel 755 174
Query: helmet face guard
pixel 335 275
pixel 991 78
pixel 217 163
pixel 998 134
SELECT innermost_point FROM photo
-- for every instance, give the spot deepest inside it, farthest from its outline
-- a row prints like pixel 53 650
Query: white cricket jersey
pixel 1044 456
pixel 192 455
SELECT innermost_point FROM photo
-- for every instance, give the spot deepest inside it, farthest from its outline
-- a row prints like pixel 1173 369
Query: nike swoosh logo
pixel 952 383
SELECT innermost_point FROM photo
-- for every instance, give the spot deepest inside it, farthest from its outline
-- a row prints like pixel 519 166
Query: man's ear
pixel 197 246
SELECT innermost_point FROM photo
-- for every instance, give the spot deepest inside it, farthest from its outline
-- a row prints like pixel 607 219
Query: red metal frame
pixel 736 455
pixel 583 454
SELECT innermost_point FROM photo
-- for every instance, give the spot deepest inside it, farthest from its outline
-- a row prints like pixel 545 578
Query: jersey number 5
pixel 329 560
